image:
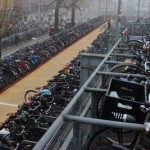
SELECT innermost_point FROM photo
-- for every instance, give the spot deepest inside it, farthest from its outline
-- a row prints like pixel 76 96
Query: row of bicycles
pixel 23 129
pixel 142 26
pixel 21 62
pixel 126 100
pixel 40 109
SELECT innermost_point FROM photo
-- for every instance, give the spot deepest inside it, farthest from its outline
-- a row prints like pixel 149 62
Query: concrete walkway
pixel 21 45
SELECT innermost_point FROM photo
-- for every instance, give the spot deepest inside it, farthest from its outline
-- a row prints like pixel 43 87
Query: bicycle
pixel 122 107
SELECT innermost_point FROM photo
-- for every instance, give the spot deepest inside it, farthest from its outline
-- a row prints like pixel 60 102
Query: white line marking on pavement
pixel 8 104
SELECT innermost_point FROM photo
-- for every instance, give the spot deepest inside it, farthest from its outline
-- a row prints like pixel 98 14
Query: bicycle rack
pixel 77 122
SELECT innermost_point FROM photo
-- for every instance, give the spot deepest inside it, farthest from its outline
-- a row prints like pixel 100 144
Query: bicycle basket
pixel 122 110
pixel 125 106
pixel 127 90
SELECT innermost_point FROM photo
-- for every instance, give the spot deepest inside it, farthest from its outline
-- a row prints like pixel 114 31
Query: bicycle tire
pixel 106 139
pixel 121 59
pixel 131 45
pixel 28 94
pixel 134 42
pixel 122 68
pixel 138 69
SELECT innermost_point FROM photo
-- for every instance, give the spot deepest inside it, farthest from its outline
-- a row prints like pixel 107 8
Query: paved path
pixel 14 95
pixel 15 48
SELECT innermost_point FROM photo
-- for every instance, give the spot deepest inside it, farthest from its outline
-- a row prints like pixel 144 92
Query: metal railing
pixel 65 135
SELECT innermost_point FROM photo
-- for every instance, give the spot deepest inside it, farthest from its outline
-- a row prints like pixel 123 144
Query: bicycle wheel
pixel 130 46
pixel 29 94
pixel 109 139
pixel 127 68
pixel 133 43
pixel 125 60
pixel 124 68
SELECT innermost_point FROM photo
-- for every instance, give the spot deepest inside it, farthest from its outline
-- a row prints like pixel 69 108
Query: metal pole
pixel 73 14
pixel 30 8
pixel 123 55
pixel 76 136
pixel 100 11
pixel 133 27
pixel 119 16
pixel 40 7
pixel 107 123
pixel 120 74
pixel 93 105
pixel 119 7
pixel 106 7
pixel 0 48
pixel 138 11
pixel 149 9
pixel 56 23
pixel 93 112
pixel 98 90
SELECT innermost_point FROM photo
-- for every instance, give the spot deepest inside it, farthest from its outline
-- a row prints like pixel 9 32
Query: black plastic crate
pixel 128 90
pixel 125 105
pixel 122 110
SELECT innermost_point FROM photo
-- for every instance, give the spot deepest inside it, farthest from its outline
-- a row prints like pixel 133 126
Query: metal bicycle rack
pixel 72 128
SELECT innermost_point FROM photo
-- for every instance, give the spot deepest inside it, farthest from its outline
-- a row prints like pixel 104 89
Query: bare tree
pixel 10 14
pixel 70 4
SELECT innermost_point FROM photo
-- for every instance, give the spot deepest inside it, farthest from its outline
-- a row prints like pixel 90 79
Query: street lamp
pixel 106 7
pixel 138 11
pixel 119 16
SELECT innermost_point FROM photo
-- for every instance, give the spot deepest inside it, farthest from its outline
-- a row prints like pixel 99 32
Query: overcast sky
pixel 129 7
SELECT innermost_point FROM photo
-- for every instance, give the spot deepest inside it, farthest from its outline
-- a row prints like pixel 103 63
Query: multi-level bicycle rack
pixel 77 122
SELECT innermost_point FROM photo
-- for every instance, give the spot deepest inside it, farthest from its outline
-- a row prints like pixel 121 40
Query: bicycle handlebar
pixel 35 107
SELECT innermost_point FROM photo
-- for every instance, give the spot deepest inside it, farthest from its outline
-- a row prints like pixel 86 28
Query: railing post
pixel 76 136
pixel 93 105
pixel 93 111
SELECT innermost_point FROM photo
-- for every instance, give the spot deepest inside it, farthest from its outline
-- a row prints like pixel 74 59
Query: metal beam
pixel 56 23
pixel 106 7
pixel 119 48
pixel 138 11
pixel 119 16
pixel 76 139
pixel 73 14
pixel 123 55
pixel 120 74
pixel 87 89
pixel 107 123
pixel 94 55
pixel 0 48
pixel 113 62
pixel 89 62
